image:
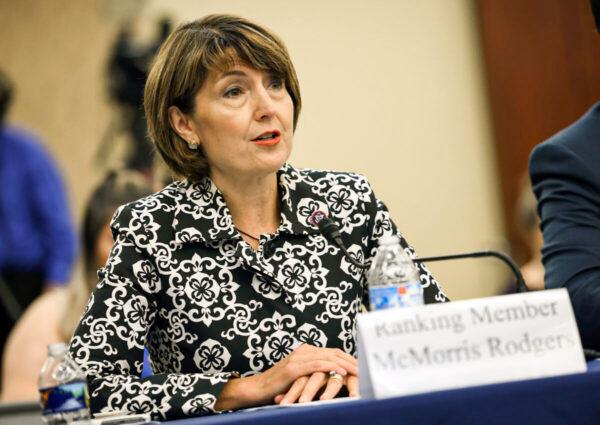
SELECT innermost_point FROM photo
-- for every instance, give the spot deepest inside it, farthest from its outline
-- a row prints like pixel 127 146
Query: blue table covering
pixel 570 399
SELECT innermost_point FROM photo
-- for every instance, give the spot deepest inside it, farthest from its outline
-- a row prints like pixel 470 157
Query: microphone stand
pixel 521 286
pixel 331 231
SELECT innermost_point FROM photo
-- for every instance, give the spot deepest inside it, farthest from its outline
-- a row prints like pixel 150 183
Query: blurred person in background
pixel 239 298
pixel 54 315
pixel 126 74
pixel 37 237
pixel 565 175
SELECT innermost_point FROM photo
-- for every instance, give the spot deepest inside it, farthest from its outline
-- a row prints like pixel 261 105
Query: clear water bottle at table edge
pixel 393 277
pixel 63 389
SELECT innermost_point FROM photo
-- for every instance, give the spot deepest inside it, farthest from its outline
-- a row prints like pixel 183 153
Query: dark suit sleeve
pixel 567 186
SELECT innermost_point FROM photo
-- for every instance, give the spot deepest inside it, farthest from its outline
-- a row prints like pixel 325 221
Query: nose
pixel 264 107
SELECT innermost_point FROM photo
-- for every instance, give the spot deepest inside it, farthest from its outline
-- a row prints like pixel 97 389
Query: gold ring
pixel 336 376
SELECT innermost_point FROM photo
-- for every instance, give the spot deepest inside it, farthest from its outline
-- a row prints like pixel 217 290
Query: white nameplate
pixel 465 343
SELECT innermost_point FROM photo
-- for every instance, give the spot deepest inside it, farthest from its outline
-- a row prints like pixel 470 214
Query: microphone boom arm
pixel 521 286
pixel 331 232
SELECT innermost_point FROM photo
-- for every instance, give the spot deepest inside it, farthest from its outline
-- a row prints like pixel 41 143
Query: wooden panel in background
pixel 542 60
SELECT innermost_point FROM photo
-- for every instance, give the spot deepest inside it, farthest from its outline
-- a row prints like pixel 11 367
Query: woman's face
pixel 243 119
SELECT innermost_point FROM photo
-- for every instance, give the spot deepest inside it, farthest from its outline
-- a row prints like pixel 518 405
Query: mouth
pixel 268 138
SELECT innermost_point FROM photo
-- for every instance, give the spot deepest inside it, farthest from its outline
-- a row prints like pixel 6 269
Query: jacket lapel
pixel 201 214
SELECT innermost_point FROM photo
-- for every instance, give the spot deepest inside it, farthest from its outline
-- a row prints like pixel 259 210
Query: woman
pixel 239 300
pixel 55 314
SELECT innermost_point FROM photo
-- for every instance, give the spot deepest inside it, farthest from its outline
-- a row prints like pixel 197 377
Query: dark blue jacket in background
pixel 36 230
pixel 565 174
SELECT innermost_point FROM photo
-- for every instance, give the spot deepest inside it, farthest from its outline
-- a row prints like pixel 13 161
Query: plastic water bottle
pixel 63 389
pixel 393 278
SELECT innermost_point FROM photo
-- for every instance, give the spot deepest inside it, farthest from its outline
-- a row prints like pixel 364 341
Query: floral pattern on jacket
pixel 182 282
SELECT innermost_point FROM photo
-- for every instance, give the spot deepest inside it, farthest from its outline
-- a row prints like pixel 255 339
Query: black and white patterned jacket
pixel 182 282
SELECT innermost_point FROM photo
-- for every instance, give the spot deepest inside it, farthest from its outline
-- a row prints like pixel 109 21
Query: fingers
pixel 308 353
pixel 279 382
pixel 305 388
pixel 314 384
pixel 349 366
pixel 334 385
pixel 343 355
pixel 314 366
pixel 333 354
pixel 294 392
pixel 352 384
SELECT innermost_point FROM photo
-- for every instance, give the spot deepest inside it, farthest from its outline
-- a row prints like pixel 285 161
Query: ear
pixel 183 125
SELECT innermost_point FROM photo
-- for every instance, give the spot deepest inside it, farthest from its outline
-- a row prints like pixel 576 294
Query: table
pixel 569 399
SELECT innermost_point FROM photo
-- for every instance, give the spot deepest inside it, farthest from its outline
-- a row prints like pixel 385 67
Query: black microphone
pixel 331 231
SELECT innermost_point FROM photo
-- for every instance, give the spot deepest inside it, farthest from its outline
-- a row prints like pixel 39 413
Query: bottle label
pixel 394 296
pixel 69 397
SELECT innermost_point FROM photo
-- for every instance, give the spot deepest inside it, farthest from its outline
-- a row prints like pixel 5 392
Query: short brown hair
pixel 190 53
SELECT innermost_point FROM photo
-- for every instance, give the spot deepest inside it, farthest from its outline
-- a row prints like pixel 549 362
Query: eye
pixel 233 92
pixel 277 83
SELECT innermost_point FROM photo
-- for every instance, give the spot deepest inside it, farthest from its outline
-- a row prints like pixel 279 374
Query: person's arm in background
pixel 54 219
pixel 26 348
pixel 567 187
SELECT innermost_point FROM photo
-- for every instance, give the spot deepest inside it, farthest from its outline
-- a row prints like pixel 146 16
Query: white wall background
pixel 391 89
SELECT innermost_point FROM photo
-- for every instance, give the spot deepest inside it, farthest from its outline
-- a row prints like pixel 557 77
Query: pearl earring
pixel 193 145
